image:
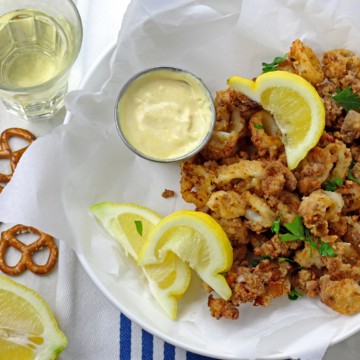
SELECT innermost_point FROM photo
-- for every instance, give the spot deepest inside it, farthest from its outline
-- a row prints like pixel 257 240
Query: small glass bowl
pixel 176 71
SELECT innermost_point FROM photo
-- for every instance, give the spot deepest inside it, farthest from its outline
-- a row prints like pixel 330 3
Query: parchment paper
pixel 84 162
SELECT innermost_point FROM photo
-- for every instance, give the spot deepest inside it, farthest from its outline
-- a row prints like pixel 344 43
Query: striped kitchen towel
pixel 138 344
pixel 94 327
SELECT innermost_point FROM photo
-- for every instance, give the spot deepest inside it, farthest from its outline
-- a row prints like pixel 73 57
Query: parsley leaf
pixel 258 126
pixel 294 294
pixel 310 241
pixel 296 228
pixel 256 261
pixel 289 237
pixel 297 231
pixel 325 249
pixel 350 175
pixel 267 67
pixel 332 185
pixel 347 99
pixel 282 259
pixel 275 227
pixel 352 178
pixel 139 227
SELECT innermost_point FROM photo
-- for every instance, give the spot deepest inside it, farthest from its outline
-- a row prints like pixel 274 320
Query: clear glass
pixel 39 42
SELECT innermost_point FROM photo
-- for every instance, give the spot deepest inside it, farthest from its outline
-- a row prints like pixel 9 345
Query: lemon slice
pixel 296 106
pixel 130 225
pixel 28 329
pixel 196 238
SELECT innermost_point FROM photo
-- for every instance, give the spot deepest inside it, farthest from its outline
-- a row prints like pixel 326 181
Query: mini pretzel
pixel 8 238
pixel 6 151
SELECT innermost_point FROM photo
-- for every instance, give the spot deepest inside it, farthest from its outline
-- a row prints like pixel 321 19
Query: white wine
pixel 33 48
pixel 39 42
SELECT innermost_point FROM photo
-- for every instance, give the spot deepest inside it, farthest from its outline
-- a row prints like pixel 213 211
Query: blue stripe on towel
pixel 125 338
pixel 147 345
pixel 169 352
pixel 192 356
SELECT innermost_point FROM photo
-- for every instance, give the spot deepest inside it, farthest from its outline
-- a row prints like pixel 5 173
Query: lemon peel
pixel 295 105
pixel 28 328
pixel 195 238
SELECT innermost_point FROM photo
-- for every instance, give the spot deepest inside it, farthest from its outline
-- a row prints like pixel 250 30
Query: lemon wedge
pixel 195 238
pixel 130 224
pixel 295 105
pixel 28 329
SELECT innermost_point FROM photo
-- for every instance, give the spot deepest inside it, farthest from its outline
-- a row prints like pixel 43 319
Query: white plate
pixel 141 310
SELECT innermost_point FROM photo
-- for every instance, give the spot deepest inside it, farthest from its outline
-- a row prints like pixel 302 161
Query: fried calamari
pixel 241 179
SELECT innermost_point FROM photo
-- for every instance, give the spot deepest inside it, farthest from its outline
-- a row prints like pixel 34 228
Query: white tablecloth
pixel 90 322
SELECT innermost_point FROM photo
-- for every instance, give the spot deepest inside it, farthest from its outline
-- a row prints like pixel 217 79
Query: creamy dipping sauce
pixel 165 114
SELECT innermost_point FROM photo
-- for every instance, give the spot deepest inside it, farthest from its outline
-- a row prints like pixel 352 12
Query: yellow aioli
pixel 165 114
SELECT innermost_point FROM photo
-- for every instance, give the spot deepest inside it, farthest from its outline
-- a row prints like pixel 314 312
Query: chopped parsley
pixel 139 227
pixel 332 185
pixel 352 178
pixel 255 262
pixel 258 126
pixel 281 259
pixel 296 231
pixel 275 227
pixel 350 175
pixel 326 250
pixel 347 99
pixel 267 67
pixel 294 294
